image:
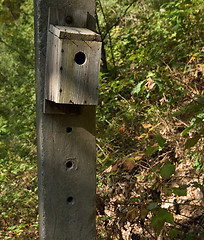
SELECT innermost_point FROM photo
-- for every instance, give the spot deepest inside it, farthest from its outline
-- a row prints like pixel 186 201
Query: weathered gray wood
pixel 80 17
pixel 66 147
pixel 73 33
pixel 57 16
pixel 67 80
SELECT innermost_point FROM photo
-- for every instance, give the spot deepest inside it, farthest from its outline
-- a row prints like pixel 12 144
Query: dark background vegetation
pixel 149 120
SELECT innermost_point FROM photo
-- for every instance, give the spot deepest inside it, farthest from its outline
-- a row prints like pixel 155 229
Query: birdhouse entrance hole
pixel 80 58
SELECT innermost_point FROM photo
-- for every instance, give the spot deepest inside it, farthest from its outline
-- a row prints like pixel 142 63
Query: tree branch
pixel 16 50
pixel 109 36
pixel 119 19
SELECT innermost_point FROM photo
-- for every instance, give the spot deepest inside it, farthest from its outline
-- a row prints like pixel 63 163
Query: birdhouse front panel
pixel 72 66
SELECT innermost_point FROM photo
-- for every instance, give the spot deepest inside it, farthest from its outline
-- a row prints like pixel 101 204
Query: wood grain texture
pixel 66 195
pixel 67 81
pixel 73 33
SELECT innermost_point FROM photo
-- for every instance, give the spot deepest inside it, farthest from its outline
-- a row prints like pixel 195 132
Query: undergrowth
pixel 149 120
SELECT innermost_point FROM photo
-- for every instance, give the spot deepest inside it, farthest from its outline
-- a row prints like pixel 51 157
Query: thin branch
pixel 12 16
pixel 149 232
pixel 103 51
pixel 109 36
pixel 119 19
pixel 112 54
pixel 16 50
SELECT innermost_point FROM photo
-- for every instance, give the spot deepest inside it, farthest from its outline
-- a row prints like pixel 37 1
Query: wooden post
pixel 65 132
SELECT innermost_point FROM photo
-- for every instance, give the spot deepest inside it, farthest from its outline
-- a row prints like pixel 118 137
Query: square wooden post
pixel 65 137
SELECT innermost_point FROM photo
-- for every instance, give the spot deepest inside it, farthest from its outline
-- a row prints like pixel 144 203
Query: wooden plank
pixel 72 33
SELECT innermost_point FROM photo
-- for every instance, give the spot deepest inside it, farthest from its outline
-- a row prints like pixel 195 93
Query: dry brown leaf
pixel 150 84
pixel 112 168
pixel 129 164
pixel 133 214
pixel 109 169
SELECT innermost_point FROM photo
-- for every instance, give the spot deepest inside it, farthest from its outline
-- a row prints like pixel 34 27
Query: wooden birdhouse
pixel 72 65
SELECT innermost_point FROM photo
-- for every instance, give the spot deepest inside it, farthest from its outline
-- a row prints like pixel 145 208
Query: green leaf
pixel 186 130
pixel 162 216
pixel 166 216
pixel 132 57
pixel 155 168
pixel 200 100
pixel 161 141
pixel 151 150
pixel 152 206
pixel 167 170
pixel 175 233
pixel 201 115
pixel 194 122
pixel 180 192
pixel 157 224
pixel 191 142
pixel 138 88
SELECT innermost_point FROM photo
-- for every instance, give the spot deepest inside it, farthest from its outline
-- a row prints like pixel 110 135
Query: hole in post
pixel 69 19
pixel 69 129
pixel 80 58
pixel 69 164
pixel 70 200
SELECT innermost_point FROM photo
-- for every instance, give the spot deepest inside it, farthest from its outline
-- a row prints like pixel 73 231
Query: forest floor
pixel 122 211
pixel 155 190
pixel 132 189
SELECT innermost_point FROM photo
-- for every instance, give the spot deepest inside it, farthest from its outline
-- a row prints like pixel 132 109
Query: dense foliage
pixel 17 120
pixel 149 119
pixel 150 116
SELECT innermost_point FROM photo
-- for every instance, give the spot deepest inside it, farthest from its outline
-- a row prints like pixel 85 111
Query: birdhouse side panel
pixel 52 68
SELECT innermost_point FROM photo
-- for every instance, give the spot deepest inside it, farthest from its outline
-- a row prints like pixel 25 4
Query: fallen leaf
pixel 112 168
pixel 133 214
pixel 150 84
pixel 129 164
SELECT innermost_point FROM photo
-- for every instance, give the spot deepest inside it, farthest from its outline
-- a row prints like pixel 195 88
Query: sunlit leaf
pixel 201 115
pixel 138 156
pixel 146 125
pixel 139 86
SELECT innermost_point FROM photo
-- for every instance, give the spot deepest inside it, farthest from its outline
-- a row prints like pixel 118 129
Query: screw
pixel 69 19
